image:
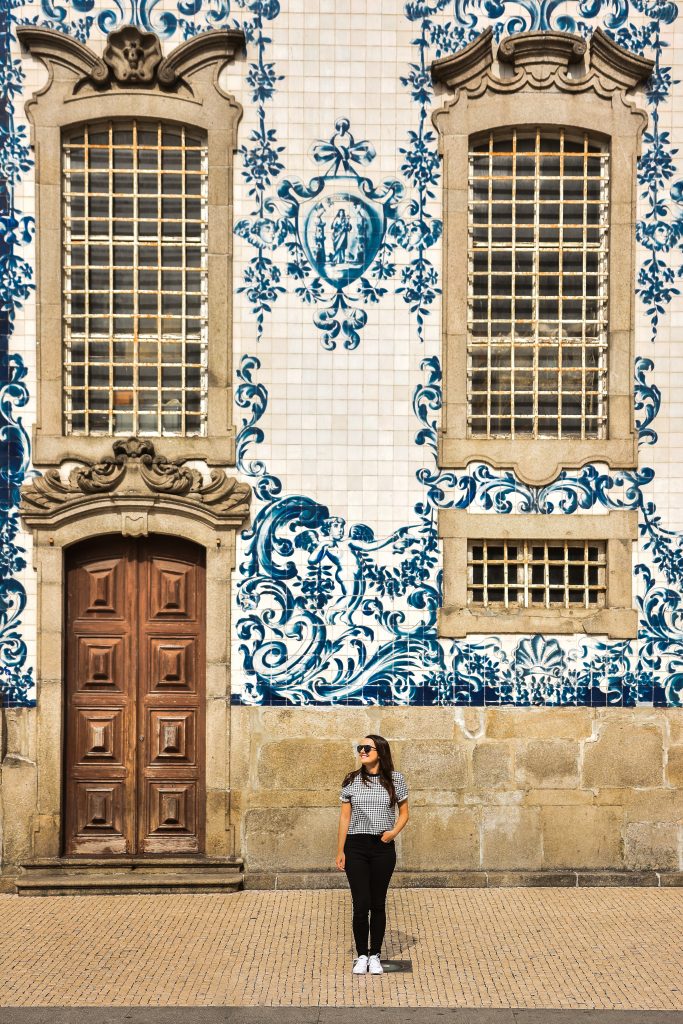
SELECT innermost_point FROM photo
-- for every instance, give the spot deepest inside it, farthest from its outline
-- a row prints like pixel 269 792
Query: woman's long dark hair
pixel 386 767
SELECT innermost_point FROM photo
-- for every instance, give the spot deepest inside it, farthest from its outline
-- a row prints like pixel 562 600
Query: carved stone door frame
pixel 134 493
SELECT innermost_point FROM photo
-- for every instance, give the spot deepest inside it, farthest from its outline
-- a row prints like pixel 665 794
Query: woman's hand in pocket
pixel 387 837
pixel 340 861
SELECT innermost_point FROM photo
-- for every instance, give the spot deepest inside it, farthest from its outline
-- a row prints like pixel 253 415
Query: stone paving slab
pixel 476 949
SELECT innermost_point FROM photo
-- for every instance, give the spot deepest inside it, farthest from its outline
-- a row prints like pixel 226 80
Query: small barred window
pixel 538 247
pixel 537 574
pixel 135 279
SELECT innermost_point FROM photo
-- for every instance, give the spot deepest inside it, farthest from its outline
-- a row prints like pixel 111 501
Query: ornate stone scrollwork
pixel 136 476
pixel 541 60
pixel 131 57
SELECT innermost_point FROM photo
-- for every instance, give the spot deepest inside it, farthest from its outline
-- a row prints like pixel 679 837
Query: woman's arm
pixel 344 821
pixel 401 822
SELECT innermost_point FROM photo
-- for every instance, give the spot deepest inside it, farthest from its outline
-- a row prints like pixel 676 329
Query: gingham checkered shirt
pixel 370 811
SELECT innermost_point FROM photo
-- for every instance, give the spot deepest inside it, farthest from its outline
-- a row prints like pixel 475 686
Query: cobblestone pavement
pixel 603 948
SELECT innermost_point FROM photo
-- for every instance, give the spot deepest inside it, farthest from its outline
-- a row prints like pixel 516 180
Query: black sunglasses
pixel 364 748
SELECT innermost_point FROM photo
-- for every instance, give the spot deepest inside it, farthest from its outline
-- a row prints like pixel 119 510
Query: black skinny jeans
pixel 369 866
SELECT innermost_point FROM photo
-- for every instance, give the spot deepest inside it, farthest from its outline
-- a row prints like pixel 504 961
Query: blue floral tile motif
pixel 261 160
pixel 16 677
pixel 316 594
pixel 303 607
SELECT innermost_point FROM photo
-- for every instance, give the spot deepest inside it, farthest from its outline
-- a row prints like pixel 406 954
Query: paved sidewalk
pixel 603 948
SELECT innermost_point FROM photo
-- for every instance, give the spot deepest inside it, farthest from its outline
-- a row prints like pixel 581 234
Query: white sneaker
pixel 375 965
pixel 360 966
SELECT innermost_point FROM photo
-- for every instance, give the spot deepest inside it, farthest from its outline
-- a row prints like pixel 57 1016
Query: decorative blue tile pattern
pixel 297 652
pixel 330 613
pixel 16 678
pixel 79 17
pixel 323 637
pixel 340 230
pixel 261 161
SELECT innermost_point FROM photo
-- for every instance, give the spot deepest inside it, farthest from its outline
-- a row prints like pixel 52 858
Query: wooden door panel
pixel 134 755
pixel 102 590
pixel 172 664
pixel 172 817
pixel 100 738
pixel 172 591
pixel 173 738
pixel 99 818
pixel 100 699
pixel 171 698
pixel 101 663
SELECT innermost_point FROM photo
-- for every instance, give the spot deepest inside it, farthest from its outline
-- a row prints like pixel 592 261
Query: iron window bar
pixel 135 201
pixel 537 285
pixel 536 573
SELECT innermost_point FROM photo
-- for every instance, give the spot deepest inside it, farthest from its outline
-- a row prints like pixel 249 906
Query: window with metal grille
pixel 532 574
pixel 538 245
pixel 135 279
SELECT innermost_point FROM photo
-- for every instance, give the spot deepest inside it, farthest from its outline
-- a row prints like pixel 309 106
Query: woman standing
pixel 365 844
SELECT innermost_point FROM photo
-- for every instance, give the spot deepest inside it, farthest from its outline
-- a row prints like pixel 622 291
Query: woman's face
pixel 369 758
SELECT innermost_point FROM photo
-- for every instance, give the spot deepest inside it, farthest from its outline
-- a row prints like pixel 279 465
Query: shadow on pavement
pixel 324 1015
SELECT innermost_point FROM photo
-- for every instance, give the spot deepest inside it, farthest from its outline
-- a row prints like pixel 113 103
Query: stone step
pixel 136 863
pixel 98 881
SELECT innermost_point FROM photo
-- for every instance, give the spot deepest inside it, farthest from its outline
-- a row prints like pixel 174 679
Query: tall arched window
pixel 540 137
pixel 134 156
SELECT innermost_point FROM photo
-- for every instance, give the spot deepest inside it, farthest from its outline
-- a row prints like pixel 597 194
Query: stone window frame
pixel 618 529
pixel 551 80
pixel 182 88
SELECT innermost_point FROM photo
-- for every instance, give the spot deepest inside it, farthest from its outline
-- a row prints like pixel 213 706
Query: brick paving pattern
pixel 604 948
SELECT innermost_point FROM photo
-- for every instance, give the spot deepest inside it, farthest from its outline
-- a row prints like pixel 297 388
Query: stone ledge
pixel 504 879
pixel 295 880
pixel 468 879
pixel 588 878
pixel 670 878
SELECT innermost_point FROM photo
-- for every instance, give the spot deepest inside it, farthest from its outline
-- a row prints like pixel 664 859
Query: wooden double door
pixel 135 697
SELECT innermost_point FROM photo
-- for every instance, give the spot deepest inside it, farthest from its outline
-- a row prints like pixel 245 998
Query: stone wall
pixel 497 795
pixel 18 790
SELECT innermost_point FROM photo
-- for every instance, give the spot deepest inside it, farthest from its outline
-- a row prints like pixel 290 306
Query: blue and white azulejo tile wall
pixel 337 281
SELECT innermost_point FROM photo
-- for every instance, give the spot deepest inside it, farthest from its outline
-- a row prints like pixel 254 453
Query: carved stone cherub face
pixel 132 56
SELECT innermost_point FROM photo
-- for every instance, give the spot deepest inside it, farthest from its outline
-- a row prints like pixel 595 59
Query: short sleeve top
pixel 370 810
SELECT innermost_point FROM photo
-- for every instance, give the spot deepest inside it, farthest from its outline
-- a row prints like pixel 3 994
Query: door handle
pixel 142 739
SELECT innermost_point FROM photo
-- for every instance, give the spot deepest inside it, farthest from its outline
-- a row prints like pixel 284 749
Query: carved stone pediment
pixel 541 60
pixel 131 57
pixel 135 479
